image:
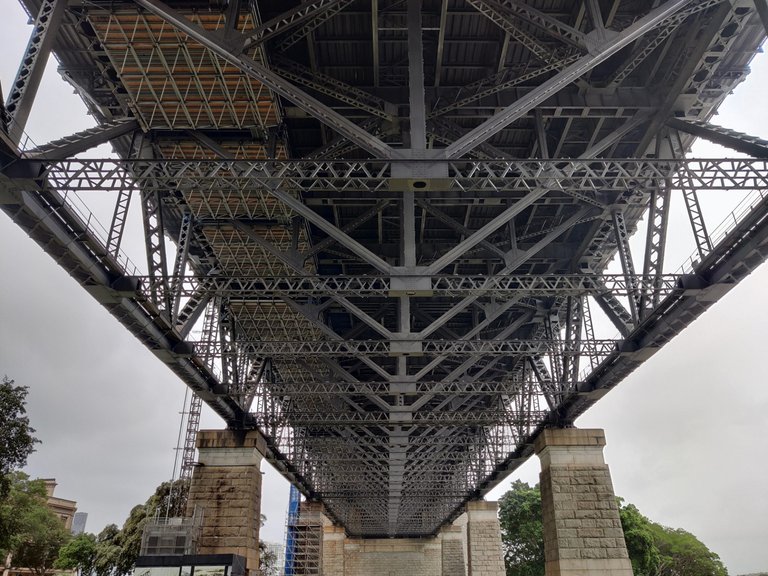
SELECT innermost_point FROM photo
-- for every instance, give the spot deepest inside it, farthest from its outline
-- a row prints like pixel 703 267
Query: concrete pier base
pixel 452 557
pixel 582 530
pixel 227 487
pixel 470 547
pixel 484 553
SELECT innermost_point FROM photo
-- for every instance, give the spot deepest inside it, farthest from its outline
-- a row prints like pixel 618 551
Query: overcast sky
pixel 687 432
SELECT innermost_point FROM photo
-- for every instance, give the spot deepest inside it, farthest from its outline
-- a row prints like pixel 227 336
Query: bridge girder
pixel 399 327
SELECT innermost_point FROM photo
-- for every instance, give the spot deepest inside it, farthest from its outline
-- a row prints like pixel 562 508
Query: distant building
pixel 64 509
pixel 279 551
pixel 78 523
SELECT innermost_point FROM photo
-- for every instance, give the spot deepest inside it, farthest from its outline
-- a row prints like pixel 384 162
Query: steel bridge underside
pixel 380 232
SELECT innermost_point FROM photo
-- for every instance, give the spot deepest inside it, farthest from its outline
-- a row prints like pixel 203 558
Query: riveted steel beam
pixel 605 50
pixel 82 141
pixel 263 74
pixel 24 88
pixel 756 147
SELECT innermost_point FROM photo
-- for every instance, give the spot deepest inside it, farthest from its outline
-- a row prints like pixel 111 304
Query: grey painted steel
pixel 82 141
pixel 762 9
pixel 258 71
pixel 348 177
pixel 287 20
pixel 604 51
pixel 751 145
pixel 22 94
pixel 400 330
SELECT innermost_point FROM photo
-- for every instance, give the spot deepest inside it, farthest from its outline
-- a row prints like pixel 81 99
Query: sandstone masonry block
pixel 582 531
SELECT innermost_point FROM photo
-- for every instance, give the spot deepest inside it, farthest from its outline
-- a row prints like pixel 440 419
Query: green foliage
pixel 654 550
pixel 108 550
pixel 638 533
pixel 43 537
pixel 682 554
pixel 116 549
pixel 78 554
pixel 521 530
pixel 33 534
pixel 16 440
pixel 23 496
pixel 267 561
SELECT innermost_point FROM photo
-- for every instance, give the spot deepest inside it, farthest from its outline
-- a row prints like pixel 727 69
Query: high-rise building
pixel 78 523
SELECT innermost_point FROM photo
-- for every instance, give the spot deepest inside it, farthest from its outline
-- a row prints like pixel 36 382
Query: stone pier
pixel 582 530
pixel 484 553
pixel 453 563
pixel 227 487
pixel 469 547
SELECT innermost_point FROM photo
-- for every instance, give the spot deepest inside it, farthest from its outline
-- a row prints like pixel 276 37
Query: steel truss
pixel 498 286
pixel 345 177
pixel 399 328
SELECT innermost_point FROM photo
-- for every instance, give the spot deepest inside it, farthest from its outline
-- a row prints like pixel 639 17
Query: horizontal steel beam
pixel 306 348
pixel 82 141
pixel 756 147
pixel 435 387
pixel 497 286
pixel 343 177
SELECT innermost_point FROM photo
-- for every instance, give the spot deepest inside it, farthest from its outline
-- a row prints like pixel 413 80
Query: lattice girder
pixel 400 294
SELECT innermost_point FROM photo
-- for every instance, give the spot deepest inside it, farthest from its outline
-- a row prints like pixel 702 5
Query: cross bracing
pixel 394 237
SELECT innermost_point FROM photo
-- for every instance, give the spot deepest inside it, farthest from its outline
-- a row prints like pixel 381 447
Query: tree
pixel 638 534
pixel 107 551
pixel 267 561
pixel 682 554
pixel 23 496
pixel 267 558
pixel 522 532
pixel 654 550
pixel 16 440
pixel 42 538
pixel 78 554
pixel 116 550
pixel 35 533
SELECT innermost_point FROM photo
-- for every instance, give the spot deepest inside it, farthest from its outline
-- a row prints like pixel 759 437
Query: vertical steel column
pixel 544 379
pixel 210 329
pixel 398 437
pixel 123 203
pixel 627 266
pixel 700 234
pixel 227 336
pixel 695 215
pixel 154 239
pixel 552 330
pixel 117 227
pixel 375 40
pixel 589 328
pixel 180 264
pixel 656 241
pixel 418 128
pixel 572 345
pixel 24 88
pixel 541 134
pixel 596 15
